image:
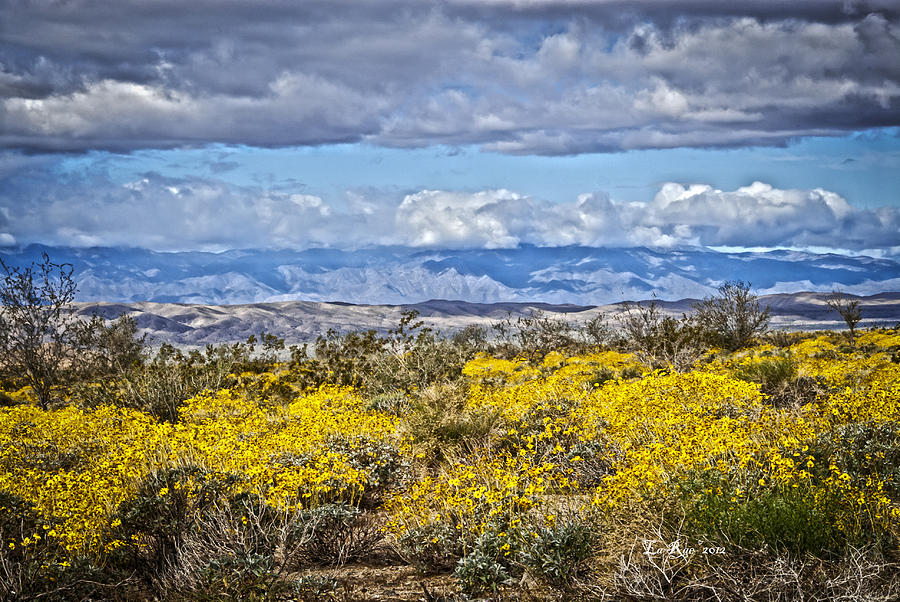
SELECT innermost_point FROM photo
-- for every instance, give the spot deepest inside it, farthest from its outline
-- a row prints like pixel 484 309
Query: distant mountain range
pixel 396 275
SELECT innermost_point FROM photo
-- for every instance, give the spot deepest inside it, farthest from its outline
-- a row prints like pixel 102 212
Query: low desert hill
pixel 301 321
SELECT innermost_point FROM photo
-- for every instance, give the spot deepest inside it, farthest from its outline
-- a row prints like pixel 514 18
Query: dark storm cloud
pixel 515 76
pixel 624 12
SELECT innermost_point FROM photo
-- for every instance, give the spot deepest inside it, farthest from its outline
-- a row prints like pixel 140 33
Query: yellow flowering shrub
pixel 284 451
pixel 477 495
pixel 874 397
pixel 880 338
pixel 664 424
pixel 813 346
pixel 657 430
pixel 76 467
pixel 515 387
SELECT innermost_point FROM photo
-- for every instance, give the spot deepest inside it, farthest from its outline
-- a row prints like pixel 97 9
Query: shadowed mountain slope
pixel 393 275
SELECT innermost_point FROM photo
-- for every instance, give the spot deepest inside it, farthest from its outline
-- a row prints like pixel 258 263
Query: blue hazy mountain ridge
pixel 392 275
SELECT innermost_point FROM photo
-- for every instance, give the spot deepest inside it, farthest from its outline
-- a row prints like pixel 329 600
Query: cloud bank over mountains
pixel 698 215
pixel 204 213
pixel 513 76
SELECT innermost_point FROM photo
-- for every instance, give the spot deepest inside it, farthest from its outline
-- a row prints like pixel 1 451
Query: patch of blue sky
pixel 864 168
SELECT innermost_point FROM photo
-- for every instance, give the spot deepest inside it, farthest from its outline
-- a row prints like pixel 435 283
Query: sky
pixel 455 124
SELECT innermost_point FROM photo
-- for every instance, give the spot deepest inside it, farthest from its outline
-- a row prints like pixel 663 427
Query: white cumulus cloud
pixel 178 213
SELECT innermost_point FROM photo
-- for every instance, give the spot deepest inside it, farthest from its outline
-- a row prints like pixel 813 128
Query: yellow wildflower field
pixel 586 440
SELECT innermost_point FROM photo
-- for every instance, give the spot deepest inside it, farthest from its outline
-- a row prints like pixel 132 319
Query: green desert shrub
pixel 314 588
pixel 558 555
pixel 534 336
pixel 431 548
pixel 731 318
pixel 770 374
pixel 659 340
pixel 240 576
pixel 408 358
pixel 441 426
pixel 755 514
pixel 488 564
pixel 861 450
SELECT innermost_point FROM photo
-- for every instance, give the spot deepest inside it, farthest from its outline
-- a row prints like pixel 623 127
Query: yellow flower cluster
pixel 880 338
pixel 477 495
pixel 515 387
pixel 667 424
pixel 75 466
pixel 284 451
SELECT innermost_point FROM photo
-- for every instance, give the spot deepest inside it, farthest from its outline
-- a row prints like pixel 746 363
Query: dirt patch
pixel 365 582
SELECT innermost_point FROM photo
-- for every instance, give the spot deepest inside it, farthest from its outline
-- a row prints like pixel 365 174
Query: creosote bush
pixel 409 358
pixel 662 341
pixel 39 335
pixel 848 309
pixel 733 317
